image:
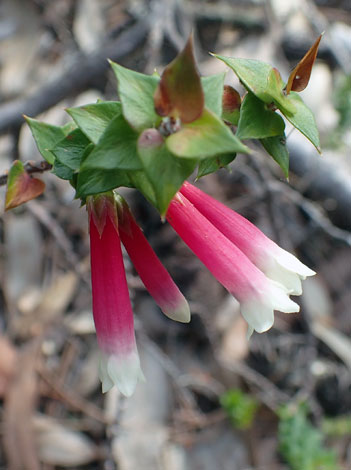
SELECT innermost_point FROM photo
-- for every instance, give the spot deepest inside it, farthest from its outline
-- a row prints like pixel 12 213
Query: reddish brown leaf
pixel 179 93
pixel 21 187
pixel 231 99
pixel 300 76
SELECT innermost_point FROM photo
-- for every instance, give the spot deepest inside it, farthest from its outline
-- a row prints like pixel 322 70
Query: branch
pixel 325 183
pixel 85 70
pixel 30 167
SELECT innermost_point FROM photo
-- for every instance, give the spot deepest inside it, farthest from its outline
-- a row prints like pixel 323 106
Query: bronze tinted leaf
pixel 300 76
pixel 179 93
pixel 231 99
pixel 21 187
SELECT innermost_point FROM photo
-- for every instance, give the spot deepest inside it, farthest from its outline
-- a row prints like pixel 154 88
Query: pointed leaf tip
pixel 21 187
pixel 300 76
pixel 179 93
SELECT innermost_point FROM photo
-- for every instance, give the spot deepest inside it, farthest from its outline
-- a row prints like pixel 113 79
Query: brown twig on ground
pixel 170 367
pixel 326 183
pixel 68 356
pixel 70 398
pixel 83 72
pixel 270 395
pixel 272 187
pixel 39 211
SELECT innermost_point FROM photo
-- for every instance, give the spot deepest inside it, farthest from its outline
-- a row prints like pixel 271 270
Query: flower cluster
pixel 257 272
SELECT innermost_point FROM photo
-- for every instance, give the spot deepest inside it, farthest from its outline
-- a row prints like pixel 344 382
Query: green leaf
pixel 70 150
pixel 210 165
pixel 136 92
pixel 262 80
pixel 301 444
pixel 116 149
pixel 99 181
pixel 47 136
pixel 179 93
pixel 140 181
pixel 275 90
pixel 338 426
pixel 206 137
pixel 252 73
pixel 256 121
pixel 62 171
pixel 304 120
pixel 265 82
pixel 276 147
pixel 240 407
pixel 94 118
pixel 21 187
pixel 165 172
pixel 213 90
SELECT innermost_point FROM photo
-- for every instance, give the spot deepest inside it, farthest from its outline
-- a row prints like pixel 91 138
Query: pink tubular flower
pixel 258 295
pixel 151 271
pixel 273 261
pixel 113 316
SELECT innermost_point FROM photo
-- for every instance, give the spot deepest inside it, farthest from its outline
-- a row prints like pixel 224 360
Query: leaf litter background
pixel 53 415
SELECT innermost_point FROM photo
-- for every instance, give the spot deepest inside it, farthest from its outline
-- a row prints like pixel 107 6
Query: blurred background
pixel 212 400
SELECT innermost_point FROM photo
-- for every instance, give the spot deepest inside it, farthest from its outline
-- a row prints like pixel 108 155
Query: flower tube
pixel 154 275
pixel 273 261
pixel 258 295
pixel 112 310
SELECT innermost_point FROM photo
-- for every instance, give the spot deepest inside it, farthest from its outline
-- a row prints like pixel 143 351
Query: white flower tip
pixel 287 280
pixel 291 263
pixel 258 311
pixel 259 316
pixel 180 313
pixel 297 289
pixel 280 300
pixel 122 371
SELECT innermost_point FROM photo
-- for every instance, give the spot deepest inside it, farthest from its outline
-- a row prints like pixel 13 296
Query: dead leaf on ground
pixel 8 361
pixel 19 406
pixel 59 445
pixel 23 255
pixel 53 302
pixel 235 345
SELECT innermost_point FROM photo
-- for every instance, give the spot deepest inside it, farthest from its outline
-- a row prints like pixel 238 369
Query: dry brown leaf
pixel 235 345
pixel 24 254
pixel 339 343
pixel 53 302
pixel 59 445
pixel 8 360
pixel 19 406
pixel 80 323
pixel 58 295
